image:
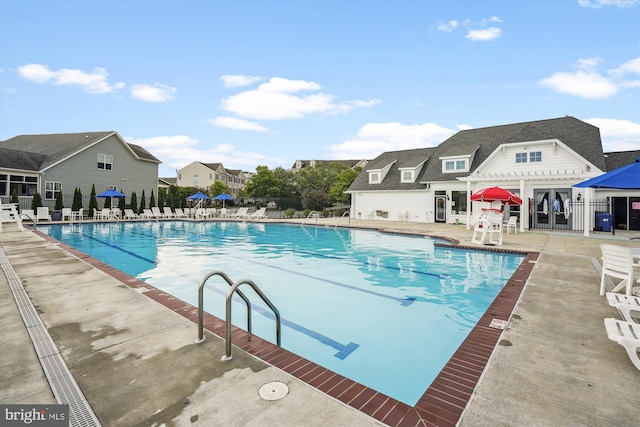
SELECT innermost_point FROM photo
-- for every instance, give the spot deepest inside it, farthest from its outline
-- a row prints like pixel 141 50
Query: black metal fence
pixel 568 216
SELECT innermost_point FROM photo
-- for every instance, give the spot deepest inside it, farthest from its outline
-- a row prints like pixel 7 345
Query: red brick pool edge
pixel 442 404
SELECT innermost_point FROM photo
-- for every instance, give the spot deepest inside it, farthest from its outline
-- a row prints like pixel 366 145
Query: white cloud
pixel 153 93
pixel 238 80
pixel 448 26
pixel 463 127
pixel 617 135
pixel 279 99
pixel 369 103
pixel 239 124
pixel 599 3
pixel 375 138
pixel 95 82
pixel 588 83
pixel 484 35
pixel 581 84
pixel 178 151
pixel 491 20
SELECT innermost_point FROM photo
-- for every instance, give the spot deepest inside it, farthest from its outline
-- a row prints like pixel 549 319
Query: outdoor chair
pixel 66 214
pixel 628 307
pixel 622 263
pixel 167 212
pixel 512 223
pixel 77 215
pixel 627 335
pixel 42 214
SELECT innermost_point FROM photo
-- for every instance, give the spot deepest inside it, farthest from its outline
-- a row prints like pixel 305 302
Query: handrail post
pixel 234 288
pixel 226 278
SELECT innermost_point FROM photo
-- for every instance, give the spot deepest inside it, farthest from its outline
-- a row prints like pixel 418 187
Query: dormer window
pixel 376 176
pixel 451 165
pixel 409 175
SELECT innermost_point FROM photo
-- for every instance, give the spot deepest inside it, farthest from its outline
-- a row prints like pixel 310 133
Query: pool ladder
pixel 232 290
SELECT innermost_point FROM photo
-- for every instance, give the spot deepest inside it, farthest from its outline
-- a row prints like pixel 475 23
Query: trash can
pixel 56 215
pixel 603 221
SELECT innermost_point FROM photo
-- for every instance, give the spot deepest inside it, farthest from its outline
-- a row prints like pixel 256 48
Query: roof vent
pixel 86 137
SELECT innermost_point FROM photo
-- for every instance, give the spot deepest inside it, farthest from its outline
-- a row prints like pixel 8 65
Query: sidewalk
pixel 136 363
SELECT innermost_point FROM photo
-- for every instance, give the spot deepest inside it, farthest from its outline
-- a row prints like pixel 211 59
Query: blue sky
pixel 250 83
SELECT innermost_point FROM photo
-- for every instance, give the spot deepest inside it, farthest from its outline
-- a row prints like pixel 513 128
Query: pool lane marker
pixel 344 350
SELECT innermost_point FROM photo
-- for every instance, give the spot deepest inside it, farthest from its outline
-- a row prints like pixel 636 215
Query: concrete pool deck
pixel 136 364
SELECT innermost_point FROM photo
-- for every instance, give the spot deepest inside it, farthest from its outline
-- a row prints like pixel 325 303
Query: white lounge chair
pixel 179 213
pixel 42 214
pixel 628 307
pixel 223 213
pixel 156 212
pixel 147 214
pixel 627 335
pixel 242 213
pixel 130 214
pixel 259 214
pixel 28 214
pixel 618 262
pixel 167 212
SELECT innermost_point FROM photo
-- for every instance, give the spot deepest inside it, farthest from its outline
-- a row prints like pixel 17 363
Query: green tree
pixel 142 201
pixel 152 200
pixel 134 201
pixel 59 202
pixel 218 187
pixel 263 184
pixel 93 202
pixel 14 198
pixel 76 205
pixel 36 201
pixel 341 183
pixel 314 183
pixel 122 201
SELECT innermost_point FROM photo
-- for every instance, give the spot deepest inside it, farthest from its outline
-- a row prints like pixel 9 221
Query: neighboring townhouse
pixel 53 163
pixel 539 160
pixel 203 175
pixel 351 164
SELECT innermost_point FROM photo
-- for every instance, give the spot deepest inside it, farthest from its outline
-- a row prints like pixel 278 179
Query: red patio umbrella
pixel 493 194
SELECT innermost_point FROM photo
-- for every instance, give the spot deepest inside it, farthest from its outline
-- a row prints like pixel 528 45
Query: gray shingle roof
pixel 41 151
pixel 402 159
pixel 479 144
pixel 618 159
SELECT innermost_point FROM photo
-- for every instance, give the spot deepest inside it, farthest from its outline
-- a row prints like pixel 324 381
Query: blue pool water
pixel 385 310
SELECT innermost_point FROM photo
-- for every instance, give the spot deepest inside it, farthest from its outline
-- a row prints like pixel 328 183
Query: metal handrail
pixel 234 288
pixel 312 214
pixel 340 220
pixel 201 303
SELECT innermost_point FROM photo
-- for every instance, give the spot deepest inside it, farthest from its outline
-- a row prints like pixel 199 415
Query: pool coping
pixel 444 401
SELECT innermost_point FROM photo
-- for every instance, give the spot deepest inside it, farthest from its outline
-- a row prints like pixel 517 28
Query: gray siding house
pixel 49 164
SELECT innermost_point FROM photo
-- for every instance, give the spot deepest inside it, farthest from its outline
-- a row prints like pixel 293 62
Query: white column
pixel 468 205
pixel 525 205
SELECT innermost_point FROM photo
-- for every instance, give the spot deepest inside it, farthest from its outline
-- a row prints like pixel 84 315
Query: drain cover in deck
pixel 274 390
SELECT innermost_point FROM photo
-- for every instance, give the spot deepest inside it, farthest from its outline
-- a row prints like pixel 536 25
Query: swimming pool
pixel 385 310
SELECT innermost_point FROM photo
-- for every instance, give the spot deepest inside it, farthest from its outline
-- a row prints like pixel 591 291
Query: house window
pixel 51 189
pixel 210 176
pixel 180 176
pixel 521 157
pixel 105 162
pixel 195 179
pixel 374 178
pixel 460 165
pixel 459 202
pixel 449 165
pixel 407 176
pixel 535 156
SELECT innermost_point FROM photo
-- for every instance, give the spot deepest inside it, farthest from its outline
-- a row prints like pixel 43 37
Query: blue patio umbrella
pixel 224 197
pixel 624 178
pixel 199 197
pixel 111 193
